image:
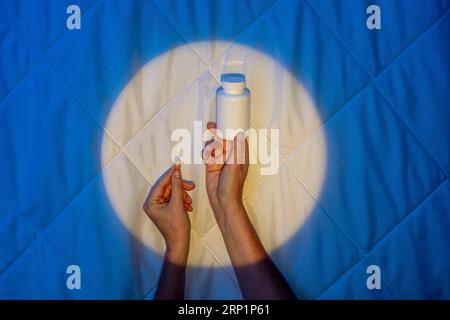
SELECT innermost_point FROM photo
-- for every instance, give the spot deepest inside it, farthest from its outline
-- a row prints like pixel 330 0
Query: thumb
pixel 177 185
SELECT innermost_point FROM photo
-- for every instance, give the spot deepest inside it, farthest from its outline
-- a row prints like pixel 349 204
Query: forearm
pixel 173 275
pixel 241 240
pixel 257 275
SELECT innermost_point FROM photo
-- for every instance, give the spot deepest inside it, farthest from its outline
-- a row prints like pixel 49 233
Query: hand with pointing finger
pixel 167 205
pixel 227 164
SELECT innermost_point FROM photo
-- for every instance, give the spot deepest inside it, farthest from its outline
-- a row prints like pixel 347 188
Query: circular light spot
pixel 177 88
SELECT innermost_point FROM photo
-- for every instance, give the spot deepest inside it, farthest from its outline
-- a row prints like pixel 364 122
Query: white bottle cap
pixel 233 82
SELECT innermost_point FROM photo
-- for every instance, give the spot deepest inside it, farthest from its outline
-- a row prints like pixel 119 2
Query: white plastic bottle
pixel 232 105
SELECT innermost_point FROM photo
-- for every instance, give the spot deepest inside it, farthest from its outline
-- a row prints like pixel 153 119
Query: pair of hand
pixel 168 202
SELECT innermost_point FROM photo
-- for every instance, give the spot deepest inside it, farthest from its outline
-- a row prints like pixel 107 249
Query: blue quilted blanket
pixel 383 97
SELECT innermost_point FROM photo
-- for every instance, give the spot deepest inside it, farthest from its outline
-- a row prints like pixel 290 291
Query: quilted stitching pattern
pixel 50 210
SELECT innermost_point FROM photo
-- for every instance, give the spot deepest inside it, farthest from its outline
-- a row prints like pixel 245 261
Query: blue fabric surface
pixel 384 97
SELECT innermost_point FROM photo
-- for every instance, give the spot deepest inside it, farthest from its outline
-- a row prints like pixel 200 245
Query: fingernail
pixel 177 174
pixel 177 163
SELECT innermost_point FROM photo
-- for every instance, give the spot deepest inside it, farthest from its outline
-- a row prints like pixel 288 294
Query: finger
pixel 188 185
pixel 188 207
pixel 166 192
pixel 177 184
pixel 186 198
pixel 163 181
pixel 213 151
pixel 240 148
pixel 208 150
pixel 161 200
pixel 209 142
pixel 228 151
pixel 211 126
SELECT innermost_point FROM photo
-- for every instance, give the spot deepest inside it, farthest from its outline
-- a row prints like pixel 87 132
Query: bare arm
pixel 172 281
pixel 167 205
pixel 257 275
